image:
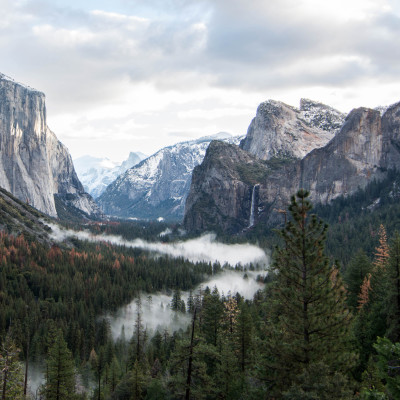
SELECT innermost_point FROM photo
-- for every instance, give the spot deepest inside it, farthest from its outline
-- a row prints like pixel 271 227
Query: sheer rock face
pixel 279 130
pixel 364 149
pixel 221 189
pixel 34 165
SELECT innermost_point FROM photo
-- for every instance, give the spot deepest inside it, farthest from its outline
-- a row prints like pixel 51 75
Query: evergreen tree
pixel 11 372
pixel 60 374
pixel 381 380
pixel 177 303
pixel 212 312
pixel 139 379
pixel 137 344
pixel 309 320
pixel 356 271
pixel 393 291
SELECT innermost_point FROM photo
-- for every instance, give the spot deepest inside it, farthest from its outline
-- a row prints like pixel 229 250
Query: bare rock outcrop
pixel 281 131
pixel 34 164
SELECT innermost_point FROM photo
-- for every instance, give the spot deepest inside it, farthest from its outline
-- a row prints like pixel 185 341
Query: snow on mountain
pixel 281 131
pixel 158 186
pixel 97 173
pixel 321 116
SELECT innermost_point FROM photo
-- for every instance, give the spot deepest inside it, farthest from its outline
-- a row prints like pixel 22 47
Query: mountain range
pixel 237 187
pixel 218 182
pixel 97 173
pixel 158 186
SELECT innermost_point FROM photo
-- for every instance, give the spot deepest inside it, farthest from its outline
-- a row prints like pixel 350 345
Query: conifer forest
pixel 325 323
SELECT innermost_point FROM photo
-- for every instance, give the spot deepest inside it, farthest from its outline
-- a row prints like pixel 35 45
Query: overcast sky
pixel 137 75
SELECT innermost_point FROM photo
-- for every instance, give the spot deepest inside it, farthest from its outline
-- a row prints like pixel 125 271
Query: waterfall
pixel 252 207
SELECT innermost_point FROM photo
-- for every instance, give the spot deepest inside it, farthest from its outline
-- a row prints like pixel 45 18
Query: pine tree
pixel 212 312
pixel 139 379
pixel 60 374
pixel 11 372
pixel 309 319
pixel 356 271
pixel 137 344
pixel 177 303
pixel 393 290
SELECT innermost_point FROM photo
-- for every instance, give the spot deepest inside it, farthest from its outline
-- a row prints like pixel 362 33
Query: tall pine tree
pixel 309 320
pixel 60 373
pixel 11 373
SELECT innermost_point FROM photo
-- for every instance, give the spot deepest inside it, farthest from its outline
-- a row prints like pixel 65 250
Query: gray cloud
pixel 96 53
pixel 233 43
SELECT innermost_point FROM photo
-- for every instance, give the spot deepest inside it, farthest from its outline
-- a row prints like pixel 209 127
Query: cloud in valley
pixel 202 249
pixel 157 313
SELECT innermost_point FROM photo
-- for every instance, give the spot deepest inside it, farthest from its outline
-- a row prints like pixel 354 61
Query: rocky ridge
pixel 365 148
pixel 283 131
pixel 34 165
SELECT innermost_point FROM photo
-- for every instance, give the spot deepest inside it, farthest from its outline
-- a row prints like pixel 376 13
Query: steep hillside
pixel 17 217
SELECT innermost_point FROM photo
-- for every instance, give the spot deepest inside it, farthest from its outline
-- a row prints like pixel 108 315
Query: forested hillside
pixel 319 329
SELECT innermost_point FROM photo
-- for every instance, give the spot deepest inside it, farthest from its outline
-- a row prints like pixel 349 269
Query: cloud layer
pixel 119 73
pixel 202 249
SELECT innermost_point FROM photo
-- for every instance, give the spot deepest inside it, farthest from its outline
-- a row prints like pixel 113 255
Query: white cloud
pixel 202 249
pixel 102 61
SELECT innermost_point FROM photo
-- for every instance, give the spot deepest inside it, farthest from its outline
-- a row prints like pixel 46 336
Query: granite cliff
pixel 280 130
pixel 365 148
pixel 34 165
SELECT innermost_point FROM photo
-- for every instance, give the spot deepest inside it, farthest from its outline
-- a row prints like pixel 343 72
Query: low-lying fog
pixel 158 315
pixel 156 312
pixel 204 248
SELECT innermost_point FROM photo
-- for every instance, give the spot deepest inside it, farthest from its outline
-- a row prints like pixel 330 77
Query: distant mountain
pixel 158 186
pixel 34 165
pixel 97 173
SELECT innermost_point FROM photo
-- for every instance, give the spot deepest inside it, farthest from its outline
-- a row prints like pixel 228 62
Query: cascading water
pixel 252 207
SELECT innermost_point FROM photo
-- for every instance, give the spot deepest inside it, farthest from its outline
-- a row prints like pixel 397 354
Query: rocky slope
pixel 97 173
pixel 34 165
pixel 158 186
pixel 17 217
pixel 367 145
pixel 279 130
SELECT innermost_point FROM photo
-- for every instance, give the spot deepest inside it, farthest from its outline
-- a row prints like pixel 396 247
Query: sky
pixel 138 75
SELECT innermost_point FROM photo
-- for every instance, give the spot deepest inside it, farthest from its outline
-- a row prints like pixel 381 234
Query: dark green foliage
pixel 11 371
pixel 290 341
pixel 382 379
pixel 393 290
pixel 317 382
pixel 354 220
pixel 73 287
pixel 309 321
pixel 60 374
pixel 356 271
